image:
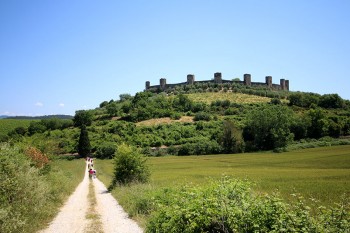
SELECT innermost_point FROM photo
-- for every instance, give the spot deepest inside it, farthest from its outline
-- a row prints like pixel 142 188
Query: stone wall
pixel 283 85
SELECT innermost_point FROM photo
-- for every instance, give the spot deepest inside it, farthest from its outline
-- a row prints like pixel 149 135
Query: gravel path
pixel 72 218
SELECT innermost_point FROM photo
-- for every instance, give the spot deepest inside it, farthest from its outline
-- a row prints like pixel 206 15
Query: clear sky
pixel 60 56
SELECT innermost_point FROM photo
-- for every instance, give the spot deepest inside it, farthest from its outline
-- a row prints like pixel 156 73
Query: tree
pixel 331 101
pixel 268 127
pixel 112 109
pixel 129 166
pixel 231 138
pixel 124 97
pixel 103 104
pixel 84 147
pixel 182 103
pixel 36 127
pixel 82 117
pixel 318 123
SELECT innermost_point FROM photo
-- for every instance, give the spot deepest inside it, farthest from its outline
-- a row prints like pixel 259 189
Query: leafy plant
pixel 129 166
pixel 84 147
pixel 229 205
pixel 39 159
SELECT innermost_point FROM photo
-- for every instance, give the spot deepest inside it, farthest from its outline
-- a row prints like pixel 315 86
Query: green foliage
pixel 56 123
pixel 331 101
pixel 82 117
pixel 318 126
pixel 103 104
pixel 303 99
pixel 84 147
pixel 202 116
pixel 36 127
pixel 23 193
pixel 124 97
pixel 105 150
pixel 231 138
pixel 129 166
pixel 182 103
pixel 268 127
pixel 199 148
pixel 113 109
pixel 229 205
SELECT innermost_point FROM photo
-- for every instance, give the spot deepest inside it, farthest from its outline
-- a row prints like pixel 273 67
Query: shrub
pixel 38 159
pixel 200 148
pixel 175 116
pixel 105 150
pixel 202 116
pixel 23 192
pixel 129 166
pixel 230 205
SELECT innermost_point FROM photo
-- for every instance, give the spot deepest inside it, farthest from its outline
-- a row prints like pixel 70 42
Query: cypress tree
pixel 84 147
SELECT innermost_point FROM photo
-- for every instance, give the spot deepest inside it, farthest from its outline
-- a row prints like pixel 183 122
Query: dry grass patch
pixel 240 98
pixel 164 120
pixel 95 225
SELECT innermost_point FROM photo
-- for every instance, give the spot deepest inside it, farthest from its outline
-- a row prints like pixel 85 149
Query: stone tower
pixel 287 85
pixel 247 79
pixel 190 79
pixel 283 84
pixel 162 83
pixel 268 80
pixel 148 84
pixel 217 77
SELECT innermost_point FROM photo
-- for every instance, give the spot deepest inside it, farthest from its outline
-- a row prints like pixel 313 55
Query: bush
pixel 105 150
pixel 200 148
pixel 129 166
pixel 202 116
pixel 23 192
pixel 230 206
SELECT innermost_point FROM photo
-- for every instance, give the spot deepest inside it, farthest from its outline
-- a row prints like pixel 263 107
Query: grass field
pixel 7 125
pixel 321 173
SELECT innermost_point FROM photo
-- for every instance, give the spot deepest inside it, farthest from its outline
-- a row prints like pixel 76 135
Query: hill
pixel 38 117
pixel 7 125
pixel 205 119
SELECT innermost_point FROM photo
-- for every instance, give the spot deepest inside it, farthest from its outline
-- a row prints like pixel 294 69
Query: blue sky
pixel 57 57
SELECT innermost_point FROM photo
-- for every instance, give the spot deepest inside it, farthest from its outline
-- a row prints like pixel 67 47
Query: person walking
pixel 91 172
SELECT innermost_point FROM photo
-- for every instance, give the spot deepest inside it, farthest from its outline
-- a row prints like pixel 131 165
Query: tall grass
pixel 31 196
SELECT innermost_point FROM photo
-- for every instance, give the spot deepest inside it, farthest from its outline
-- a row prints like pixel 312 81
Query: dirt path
pixel 84 212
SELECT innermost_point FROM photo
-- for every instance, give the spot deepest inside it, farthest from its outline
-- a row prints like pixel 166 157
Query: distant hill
pixel 37 117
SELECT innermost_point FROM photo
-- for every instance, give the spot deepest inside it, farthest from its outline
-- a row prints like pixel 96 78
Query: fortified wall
pixel 247 81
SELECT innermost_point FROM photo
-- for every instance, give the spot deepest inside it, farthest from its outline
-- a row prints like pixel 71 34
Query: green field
pixel 321 173
pixel 7 125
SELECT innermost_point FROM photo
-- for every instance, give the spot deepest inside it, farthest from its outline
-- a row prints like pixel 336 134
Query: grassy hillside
pixel 7 125
pixel 240 98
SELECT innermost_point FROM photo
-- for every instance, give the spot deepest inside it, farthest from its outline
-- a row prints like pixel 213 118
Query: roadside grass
pixel 208 97
pixel 319 173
